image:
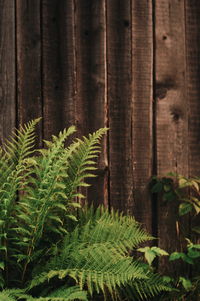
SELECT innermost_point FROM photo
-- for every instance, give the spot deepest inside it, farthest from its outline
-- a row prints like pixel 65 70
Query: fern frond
pixel 67 294
pixel 96 256
pixel 14 295
pixel 145 289
pixel 13 172
pixel 81 162
pixel 94 276
pixel 55 177
pixel 41 195
pixel 114 228
pixel 47 201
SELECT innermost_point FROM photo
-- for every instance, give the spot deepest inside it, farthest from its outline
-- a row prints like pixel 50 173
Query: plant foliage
pixel 183 193
pixel 50 247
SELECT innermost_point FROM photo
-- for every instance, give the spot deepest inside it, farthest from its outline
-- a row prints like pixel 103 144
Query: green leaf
pixel 75 205
pixel 148 254
pixel 175 256
pixel 2 265
pixel 158 187
pixel 2 222
pixel 167 279
pixel 167 188
pixel 3 248
pixel 184 208
pixel 159 251
pixel 192 253
pixel 187 259
pixel 187 284
pixel 183 182
pixel 196 208
pixel 195 184
pixel 72 217
pixel 196 246
pixel 180 255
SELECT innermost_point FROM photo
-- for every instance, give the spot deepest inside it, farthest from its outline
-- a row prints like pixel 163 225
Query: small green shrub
pixel 50 247
pixel 185 192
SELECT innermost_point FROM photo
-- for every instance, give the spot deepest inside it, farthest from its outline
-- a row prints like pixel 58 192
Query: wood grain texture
pixel 7 68
pixel 193 83
pixel 120 104
pixel 142 82
pixel 171 113
pixel 28 30
pixel 192 25
pixel 58 57
pixel 91 97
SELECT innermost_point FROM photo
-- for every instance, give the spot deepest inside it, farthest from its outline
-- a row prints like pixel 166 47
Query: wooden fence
pixel 131 65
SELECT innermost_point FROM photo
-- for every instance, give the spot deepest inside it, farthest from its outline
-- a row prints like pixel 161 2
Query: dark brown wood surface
pixel 192 13
pixel 130 65
pixel 119 67
pixel 8 105
pixel 91 84
pixel 142 109
pixel 58 65
pixel 171 111
pixel 193 83
pixel 29 64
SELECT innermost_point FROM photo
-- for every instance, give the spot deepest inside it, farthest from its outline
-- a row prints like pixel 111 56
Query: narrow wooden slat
pixel 192 13
pixel 142 140
pixel 29 62
pixel 91 101
pixel 58 59
pixel 7 68
pixel 193 82
pixel 171 113
pixel 120 104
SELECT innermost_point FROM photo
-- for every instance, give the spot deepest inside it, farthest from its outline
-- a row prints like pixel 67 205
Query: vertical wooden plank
pixel 91 101
pixel 193 83
pixel 172 111
pixel 7 68
pixel 120 104
pixel 28 32
pixel 192 26
pixel 58 57
pixel 142 140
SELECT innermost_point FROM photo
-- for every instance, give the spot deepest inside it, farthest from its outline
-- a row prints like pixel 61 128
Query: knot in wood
pixel 163 87
pixel 176 113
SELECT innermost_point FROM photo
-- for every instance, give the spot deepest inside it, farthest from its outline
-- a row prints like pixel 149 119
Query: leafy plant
pixel 186 192
pixel 50 247
pixel 151 253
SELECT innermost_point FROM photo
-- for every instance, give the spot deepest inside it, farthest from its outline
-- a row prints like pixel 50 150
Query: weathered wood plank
pixel 58 56
pixel 142 107
pixel 172 111
pixel 120 104
pixel 192 13
pixel 29 98
pixel 7 68
pixel 193 82
pixel 91 101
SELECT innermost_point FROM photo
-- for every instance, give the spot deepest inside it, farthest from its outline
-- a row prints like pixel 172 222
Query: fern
pixel 51 247
pixel 14 295
pixel 61 294
pixel 13 172
pixel 67 294
pixel 81 163
pixel 144 289
pixel 96 255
